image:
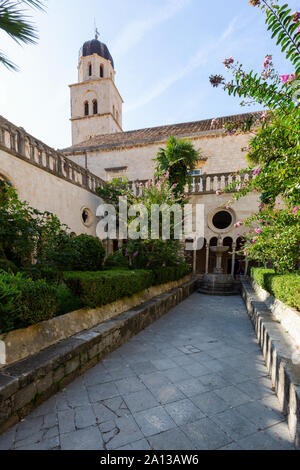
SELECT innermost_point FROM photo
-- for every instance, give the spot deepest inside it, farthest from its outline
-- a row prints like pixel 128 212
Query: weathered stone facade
pixel 48 180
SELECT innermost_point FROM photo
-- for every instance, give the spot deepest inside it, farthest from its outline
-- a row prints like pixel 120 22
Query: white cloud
pixel 136 30
pixel 201 57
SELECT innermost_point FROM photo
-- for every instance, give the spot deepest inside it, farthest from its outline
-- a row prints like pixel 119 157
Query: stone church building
pixel 64 182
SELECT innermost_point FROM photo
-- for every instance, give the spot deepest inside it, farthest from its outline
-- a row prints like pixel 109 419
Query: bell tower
pixel 96 104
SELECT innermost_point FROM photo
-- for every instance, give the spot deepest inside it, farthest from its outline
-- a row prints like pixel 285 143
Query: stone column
pixel 233 258
pixel 246 267
pixel 195 262
pixel 207 258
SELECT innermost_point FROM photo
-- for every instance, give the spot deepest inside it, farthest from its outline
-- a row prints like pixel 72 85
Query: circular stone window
pixel 86 217
pixel 221 220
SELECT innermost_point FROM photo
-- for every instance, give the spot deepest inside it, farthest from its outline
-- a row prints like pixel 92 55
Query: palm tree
pixel 16 23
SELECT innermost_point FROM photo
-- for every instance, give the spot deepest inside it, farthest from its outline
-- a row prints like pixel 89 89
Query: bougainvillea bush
pixel 274 152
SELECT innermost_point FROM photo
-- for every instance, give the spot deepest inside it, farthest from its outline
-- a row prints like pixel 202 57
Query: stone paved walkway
pixel 195 379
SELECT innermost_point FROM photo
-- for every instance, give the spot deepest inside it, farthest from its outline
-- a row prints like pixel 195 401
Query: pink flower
pixel 284 78
pixel 228 62
pixel 295 210
pixel 257 172
pixel 278 236
pixel 135 254
pixel 238 224
pixel 296 16
pixel 214 123
pixel 258 231
pixel 264 115
pixel 227 207
pixel 218 193
pixel 268 63
pixel 254 240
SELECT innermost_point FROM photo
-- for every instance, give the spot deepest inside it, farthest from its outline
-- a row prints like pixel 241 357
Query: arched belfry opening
pixel 101 71
pixel 86 108
pixel 95 107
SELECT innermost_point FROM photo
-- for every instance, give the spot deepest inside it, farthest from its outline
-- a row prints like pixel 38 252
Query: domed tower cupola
pixel 96 47
pixel 96 104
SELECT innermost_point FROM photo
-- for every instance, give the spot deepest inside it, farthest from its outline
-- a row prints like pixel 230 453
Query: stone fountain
pixel 219 283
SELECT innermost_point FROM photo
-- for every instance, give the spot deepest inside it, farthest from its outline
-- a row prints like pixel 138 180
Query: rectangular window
pixel 196 172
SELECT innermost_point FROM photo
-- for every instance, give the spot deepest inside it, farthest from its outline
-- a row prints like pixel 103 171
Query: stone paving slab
pixel 194 380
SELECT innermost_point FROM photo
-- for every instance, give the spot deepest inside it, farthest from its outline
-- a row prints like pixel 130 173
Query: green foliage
pixel 24 302
pixel 96 289
pixel 175 161
pixel 8 266
pixel 284 287
pixel 274 152
pixel 117 259
pixel 170 273
pixel 87 253
pixel 66 301
pixel 275 238
pixel 285 30
pixel 112 190
pixel 150 254
pixel 15 22
pixel 25 232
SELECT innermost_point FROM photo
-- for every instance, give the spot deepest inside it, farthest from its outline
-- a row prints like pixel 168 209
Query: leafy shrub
pixel 8 266
pixel 81 253
pixel 285 287
pixel 86 253
pixel 117 259
pixel 49 274
pixel 67 301
pixel 24 302
pixel 170 273
pixel 95 289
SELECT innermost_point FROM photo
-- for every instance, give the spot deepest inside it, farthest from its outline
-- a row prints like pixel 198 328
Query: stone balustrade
pixel 206 183
pixel 19 143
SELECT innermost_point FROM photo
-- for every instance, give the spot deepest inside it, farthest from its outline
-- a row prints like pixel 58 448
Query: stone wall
pixel 48 180
pixel 223 153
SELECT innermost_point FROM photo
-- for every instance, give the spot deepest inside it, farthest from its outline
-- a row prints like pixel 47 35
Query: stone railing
pixel 209 184
pixel 204 184
pixel 16 141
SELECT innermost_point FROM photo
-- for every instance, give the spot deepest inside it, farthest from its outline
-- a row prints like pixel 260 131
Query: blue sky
pixel 164 52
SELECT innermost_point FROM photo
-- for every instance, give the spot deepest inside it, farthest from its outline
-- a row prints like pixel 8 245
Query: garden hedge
pixel 285 287
pixel 95 289
pixel 170 273
pixel 24 302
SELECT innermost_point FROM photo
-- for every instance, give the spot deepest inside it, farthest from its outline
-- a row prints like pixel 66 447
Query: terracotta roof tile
pixel 107 141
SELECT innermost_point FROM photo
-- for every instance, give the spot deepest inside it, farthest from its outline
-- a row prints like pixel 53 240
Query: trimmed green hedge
pixel 95 289
pixel 285 287
pixel 24 302
pixel 170 274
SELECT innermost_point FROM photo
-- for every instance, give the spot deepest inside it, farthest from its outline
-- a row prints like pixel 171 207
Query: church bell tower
pixel 96 104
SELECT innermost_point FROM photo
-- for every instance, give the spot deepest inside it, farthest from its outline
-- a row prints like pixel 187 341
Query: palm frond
pixel 7 63
pixel 16 23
